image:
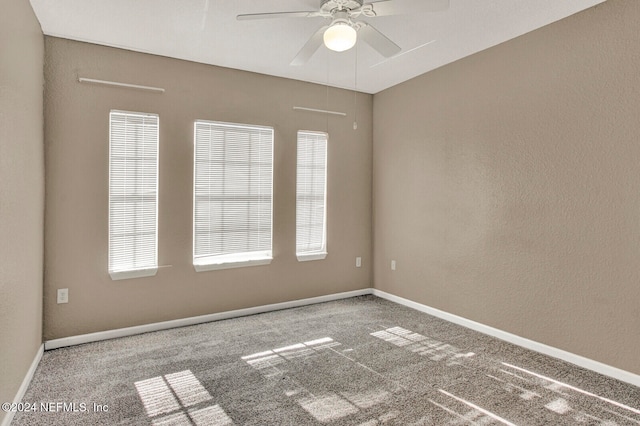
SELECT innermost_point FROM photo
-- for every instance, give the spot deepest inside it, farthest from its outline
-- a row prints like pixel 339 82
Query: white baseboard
pixel 25 384
pixel 129 331
pixel 578 360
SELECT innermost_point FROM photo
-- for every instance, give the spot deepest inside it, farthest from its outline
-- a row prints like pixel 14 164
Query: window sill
pixel 311 256
pixel 135 273
pixel 203 267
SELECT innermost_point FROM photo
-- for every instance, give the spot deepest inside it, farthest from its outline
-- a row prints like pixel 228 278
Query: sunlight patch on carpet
pixel 158 396
pixel 422 345
pixel 328 407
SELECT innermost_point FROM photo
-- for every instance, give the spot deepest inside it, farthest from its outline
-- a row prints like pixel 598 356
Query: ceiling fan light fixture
pixel 340 36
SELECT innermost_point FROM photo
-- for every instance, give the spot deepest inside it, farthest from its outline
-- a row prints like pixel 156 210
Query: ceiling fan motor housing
pixel 329 6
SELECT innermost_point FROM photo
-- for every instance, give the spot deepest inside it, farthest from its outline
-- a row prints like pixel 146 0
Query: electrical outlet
pixel 393 265
pixel 63 295
pixel 358 262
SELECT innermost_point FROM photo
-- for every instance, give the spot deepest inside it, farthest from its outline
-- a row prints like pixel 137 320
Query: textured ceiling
pixel 207 31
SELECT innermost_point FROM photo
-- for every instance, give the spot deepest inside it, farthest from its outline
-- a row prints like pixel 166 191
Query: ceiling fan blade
pixel 310 47
pixel 385 8
pixel 399 7
pixel 253 16
pixel 378 41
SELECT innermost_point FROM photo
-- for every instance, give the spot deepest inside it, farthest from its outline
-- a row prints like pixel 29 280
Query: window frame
pixel 146 271
pixel 233 260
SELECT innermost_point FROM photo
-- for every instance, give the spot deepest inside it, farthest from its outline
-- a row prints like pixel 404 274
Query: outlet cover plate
pixel 63 295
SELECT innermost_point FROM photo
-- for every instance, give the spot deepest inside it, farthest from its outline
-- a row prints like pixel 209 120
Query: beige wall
pixel 77 146
pixel 21 193
pixel 507 186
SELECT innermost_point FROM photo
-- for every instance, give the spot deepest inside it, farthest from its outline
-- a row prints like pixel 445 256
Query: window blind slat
pixel 233 178
pixel 311 228
pixel 133 191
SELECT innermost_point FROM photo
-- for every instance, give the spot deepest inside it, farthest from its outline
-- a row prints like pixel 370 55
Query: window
pixel 232 195
pixel 311 196
pixel 133 194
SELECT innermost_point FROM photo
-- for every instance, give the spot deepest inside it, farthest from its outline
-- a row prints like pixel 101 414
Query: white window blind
pixel 133 194
pixel 233 179
pixel 311 196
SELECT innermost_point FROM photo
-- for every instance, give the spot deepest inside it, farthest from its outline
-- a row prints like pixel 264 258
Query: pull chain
pixel 327 95
pixel 355 93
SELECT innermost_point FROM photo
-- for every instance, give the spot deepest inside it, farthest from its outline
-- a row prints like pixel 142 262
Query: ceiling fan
pixel 344 29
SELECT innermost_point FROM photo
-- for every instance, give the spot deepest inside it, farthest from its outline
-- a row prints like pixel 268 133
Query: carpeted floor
pixel 360 361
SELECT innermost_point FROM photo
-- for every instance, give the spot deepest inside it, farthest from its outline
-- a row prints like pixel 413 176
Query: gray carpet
pixel 359 361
